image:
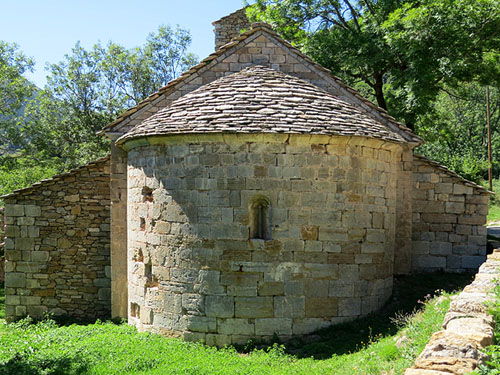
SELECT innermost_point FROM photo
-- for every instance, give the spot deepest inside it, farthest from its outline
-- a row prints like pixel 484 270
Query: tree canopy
pixel 51 129
pixel 402 53
pixel 89 88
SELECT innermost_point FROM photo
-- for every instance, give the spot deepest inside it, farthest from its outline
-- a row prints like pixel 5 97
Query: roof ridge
pixel 254 28
pixel 259 99
pixel 57 177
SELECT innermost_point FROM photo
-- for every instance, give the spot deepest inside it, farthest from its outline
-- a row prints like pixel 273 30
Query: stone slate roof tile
pixel 260 99
pixel 256 28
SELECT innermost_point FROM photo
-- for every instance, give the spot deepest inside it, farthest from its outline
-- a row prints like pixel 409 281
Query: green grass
pixel 2 301
pixel 367 346
pixel 493 213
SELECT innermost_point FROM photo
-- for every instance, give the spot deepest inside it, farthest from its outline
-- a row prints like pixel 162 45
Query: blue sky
pixel 47 29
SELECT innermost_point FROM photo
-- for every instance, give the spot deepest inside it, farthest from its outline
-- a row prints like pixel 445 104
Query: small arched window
pixel 259 208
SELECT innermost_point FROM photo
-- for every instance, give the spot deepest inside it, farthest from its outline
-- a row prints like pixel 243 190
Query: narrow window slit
pixel 259 208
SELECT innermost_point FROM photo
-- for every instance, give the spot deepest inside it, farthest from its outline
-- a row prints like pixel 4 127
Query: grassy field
pixel 367 346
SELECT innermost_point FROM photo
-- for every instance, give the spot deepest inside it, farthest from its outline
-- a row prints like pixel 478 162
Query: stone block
pixel 349 307
pixel 24 244
pixel 289 307
pixel 461 189
pixel 428 262
pixel 454 207
pixel 332 234
pixel 316 288
pixel 104 294
pixel 219 306
pixel 313 246
pixel 33 232
pixel 247 291
pixel 309 232
pixel 235 327
pixel 32 211
pixel 472 328
pixel 477 240
pixel 24 220
pixel 15 280
pixel 201 323
pixel 14 210
pixel 270 288
pixel 11 231
pixel 240 278
pixel 254 307
pixel 193 303
pixel 40 256
pixel 294 288
pixel 338 288
pixel 421 247
pixel 272 326
pixel 372 248
pixel 321 307
pixel 440 248
pixel 472 262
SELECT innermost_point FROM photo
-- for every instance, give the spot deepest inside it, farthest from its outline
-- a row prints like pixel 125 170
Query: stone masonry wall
pixel 449 214
pixel 467 330
pixel 263 48
pixel 229 27
pixel 57 246
pixel 193 270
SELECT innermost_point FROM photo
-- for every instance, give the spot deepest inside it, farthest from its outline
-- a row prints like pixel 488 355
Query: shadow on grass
pixel 23 365
pixel 408 295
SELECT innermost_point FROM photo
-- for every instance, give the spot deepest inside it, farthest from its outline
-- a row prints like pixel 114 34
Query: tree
pixel 456 134
pixel 89 88
pixel 401 52
pixel 15 91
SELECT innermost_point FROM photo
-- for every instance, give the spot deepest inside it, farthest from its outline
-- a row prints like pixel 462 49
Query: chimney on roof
pixel 230 26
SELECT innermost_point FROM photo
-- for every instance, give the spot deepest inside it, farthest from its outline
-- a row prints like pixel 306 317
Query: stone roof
pixel 56 178
pixel 261 100
pixel 255 28
pixel 452 174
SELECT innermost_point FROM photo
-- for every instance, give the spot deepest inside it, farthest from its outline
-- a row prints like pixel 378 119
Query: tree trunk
pixel 379 90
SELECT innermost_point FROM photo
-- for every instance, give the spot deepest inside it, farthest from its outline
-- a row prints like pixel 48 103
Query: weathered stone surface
pixel 56 253
pixel 446 219
pixel 472 328
pixel 191 236
pixel 447 364
pixel 458 349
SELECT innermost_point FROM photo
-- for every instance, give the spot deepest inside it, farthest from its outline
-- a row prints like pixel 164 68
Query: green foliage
pixel 404 51
pixel 456 132
pixel 14 88
pixel 105 348
pixel 18 176
pixel 88 90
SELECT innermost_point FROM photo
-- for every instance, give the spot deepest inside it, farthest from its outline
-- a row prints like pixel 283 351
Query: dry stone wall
pixel 449 214
pixel 195 272
pixel 57 246
pixel 467 328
